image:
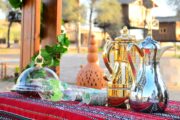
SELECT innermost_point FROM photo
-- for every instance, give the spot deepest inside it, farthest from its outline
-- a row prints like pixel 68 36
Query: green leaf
pixel 45 54
pixel 48 49
pixel 51 62
pixel 48 62
pixel 57 93
pixel 56 62
pixel 32 64
pixel 15 3
pixel 63 40
pixel 66 42
pixel 63 50
pixel 56 49
pixel 61 37
pixel 39 73
pixel 52 54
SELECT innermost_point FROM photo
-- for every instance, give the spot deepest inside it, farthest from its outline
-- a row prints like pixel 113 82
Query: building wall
pixel 137 14
pixel 125 12
pixel 178 31
pixel 166 32
pixel 72 34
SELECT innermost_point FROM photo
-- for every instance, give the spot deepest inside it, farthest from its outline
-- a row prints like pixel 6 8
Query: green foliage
pixel 52 54
pixel 57 93
pixel 108 16
pixel 51 90
pixel 39 73
pixel 17 69
pixel 72 11
pixel 108 11
pixel 16 3
pixel 36 74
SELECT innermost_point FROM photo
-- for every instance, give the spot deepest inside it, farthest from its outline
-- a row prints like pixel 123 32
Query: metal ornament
pixel 119 77
pixel 39 60
pixel 149 93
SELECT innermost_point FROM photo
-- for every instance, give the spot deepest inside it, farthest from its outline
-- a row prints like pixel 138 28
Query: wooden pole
pixel 52 23
pixel 78 27
pixel 175 50
pixel 30 33
pixel 30 39
pixel 1 71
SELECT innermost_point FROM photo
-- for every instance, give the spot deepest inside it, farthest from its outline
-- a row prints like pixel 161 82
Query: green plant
pixel 17 69
pixel 51 90
pixel 39 73
pixel 16 3
pixel 52 54
pixel 56 88
pixel 16 73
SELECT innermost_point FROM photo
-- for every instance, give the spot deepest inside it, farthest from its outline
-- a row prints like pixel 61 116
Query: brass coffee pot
pixel 119 76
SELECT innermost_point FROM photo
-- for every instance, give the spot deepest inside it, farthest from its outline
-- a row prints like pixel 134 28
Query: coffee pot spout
pixel 161 51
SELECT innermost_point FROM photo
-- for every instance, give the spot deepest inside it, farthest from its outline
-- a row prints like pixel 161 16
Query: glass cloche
pixel 39 80
pixel 34 79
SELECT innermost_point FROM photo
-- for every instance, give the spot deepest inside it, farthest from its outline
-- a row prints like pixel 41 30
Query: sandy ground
pixel 70 65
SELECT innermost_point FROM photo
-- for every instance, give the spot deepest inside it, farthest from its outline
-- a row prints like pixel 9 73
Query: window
pixel 163 30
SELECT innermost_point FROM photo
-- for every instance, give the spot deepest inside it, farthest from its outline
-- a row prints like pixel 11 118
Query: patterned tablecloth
pixel 13 104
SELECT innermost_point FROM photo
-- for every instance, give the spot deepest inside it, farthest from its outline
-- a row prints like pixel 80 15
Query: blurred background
pixel 104 19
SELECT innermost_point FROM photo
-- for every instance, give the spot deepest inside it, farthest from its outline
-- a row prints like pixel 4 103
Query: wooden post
pixel 30 33
pixel 1 77
pixel 5 70
pixel 31 27
pixel 52 23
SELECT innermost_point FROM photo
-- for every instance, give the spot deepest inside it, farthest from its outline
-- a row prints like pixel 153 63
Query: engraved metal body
pixel 120 77
pixel 149 93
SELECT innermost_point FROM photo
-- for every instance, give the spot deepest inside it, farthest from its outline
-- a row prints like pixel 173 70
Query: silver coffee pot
pixel 148 92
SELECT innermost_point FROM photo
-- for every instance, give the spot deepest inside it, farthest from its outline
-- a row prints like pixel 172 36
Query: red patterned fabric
pixel 37 109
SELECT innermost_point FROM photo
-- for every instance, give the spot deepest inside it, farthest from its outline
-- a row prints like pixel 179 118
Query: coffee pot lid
pixel 125 37
pixel 149 43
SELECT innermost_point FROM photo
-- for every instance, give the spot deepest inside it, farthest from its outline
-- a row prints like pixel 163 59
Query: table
pixel 14 104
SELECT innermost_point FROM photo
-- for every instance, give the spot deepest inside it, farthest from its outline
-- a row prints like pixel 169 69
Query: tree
pixel 13 16
pixel 108 16
pixel 175 5
pixel 92 3
pixel 5 6
pixel 73 12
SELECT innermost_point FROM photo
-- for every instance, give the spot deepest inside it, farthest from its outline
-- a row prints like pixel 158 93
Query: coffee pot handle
pixel 130 46
pixel 106 55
